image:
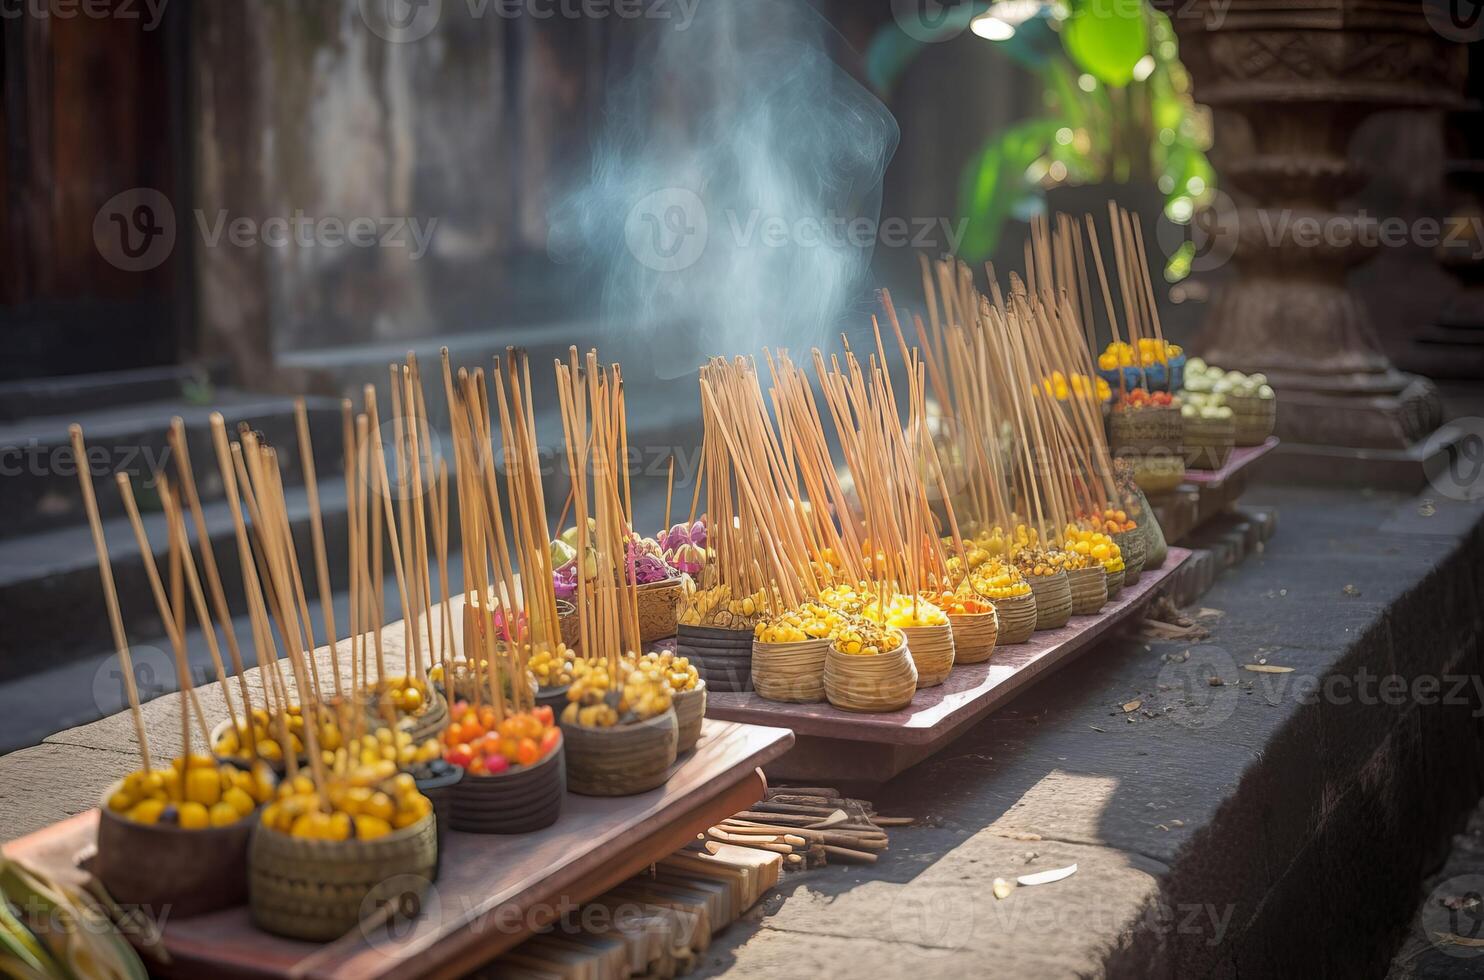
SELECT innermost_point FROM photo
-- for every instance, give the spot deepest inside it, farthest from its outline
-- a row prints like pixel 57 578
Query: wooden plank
pixel 492 892
pixel 1240 460
pixel 971 691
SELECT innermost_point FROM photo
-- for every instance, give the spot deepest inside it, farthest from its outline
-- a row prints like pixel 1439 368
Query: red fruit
pixel 550 741
pixel 545 715
pixel 496 764
pixel 459 755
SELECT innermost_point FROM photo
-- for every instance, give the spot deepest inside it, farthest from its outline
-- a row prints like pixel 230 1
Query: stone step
pixel 40 489
pixel 50 579
pixel 33 397
pixel 88 685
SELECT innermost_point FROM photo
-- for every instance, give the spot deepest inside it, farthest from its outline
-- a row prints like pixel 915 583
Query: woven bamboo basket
pixel 1053 600
pixel 569 623
pixel 1131 547
pixel 723 657
pixel 885 682
pixel 1115 582
pixel 1159 428
pixel 690 711
pixel 1253 418
pixel 182 872
pixel 318 890
pixel 516 801
pixel 932 652
pixel 657 602
pixel 622 760
pixel 1209 442
pixel 1158 473
pixel 974 636
pixel 1017 618
pixel 789 672
pixel 1088 588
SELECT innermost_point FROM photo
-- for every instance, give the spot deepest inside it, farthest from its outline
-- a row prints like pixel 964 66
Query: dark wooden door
pixel 90 180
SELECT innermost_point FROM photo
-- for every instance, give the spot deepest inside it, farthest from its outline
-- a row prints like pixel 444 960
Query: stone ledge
pixel 1279 837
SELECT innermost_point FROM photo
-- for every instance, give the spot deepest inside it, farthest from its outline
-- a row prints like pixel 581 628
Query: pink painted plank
pixel 1241 458
pixel 969 692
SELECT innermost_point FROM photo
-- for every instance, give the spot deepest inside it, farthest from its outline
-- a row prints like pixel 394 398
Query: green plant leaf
pixel 994 181
pixel 1106 38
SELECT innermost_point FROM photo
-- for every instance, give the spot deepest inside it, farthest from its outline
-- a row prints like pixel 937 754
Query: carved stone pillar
pixel 1299 76
pixel 1453 346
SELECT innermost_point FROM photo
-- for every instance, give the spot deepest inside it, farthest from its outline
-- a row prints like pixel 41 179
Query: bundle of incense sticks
pixel 998 357
pixel 597 442
pixel 516 603
pixel 769 541
pixel 1056 270
pixel 890 466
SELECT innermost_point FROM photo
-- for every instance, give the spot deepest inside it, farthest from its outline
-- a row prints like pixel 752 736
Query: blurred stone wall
pixel 319 128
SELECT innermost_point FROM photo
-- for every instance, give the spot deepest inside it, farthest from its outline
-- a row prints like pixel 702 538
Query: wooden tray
pixel 871 748
pixel 493 891
pixel 1241 458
